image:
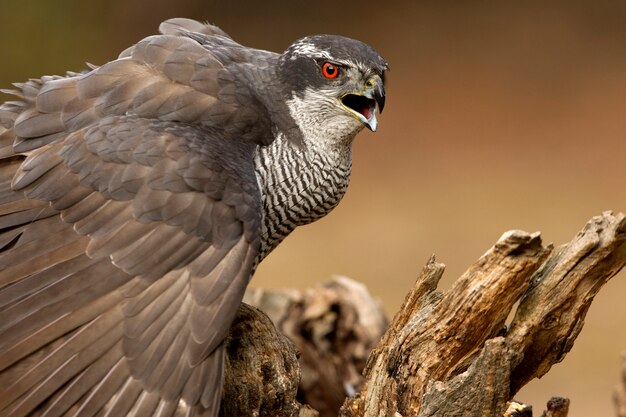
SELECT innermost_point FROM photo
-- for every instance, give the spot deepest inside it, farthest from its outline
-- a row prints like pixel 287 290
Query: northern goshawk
pixel 138 197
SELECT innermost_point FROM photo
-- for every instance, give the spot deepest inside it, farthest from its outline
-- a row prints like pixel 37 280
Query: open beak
pixel 364 104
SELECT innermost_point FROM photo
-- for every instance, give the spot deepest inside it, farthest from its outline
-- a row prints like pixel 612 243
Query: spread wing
pixel 129 227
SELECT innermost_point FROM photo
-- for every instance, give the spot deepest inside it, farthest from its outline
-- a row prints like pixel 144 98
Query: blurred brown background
pixel 500 115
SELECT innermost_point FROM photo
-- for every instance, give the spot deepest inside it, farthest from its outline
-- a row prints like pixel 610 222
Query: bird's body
pixel 137 198
pixel 299 196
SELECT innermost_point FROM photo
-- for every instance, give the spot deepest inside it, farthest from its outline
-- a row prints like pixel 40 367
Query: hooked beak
pixel 363 104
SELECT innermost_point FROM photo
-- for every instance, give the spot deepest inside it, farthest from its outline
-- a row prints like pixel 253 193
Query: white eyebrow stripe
pixel 356 64
pixel 308 49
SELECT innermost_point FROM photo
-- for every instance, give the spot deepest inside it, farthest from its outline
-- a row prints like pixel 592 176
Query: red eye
pixel 329 70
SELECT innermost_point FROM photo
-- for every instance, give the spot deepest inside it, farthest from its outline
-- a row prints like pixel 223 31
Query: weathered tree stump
pixel 335 326
pixel 261 370
pixel 557 407
pixel 452 354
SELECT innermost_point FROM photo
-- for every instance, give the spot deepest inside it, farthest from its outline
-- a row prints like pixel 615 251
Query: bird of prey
pixel 138 197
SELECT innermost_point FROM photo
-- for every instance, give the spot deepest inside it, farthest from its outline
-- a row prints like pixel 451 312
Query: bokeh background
pixel 500 115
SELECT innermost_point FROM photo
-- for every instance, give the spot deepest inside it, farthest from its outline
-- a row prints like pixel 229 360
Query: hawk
pixel 137 199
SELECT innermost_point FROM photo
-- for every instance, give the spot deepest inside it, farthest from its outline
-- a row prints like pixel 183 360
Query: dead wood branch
pixel 451 354
pixel 445 354
pixel 557 407
pixel 334 326
pixel 261 370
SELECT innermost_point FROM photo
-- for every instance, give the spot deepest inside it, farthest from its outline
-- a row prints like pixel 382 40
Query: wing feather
pixel 104 390
pixel 146 404
pixel 36 311
pixel 70 395
pixel 34 341
pixel 84 347
pixel 125 398
pixel 129 228
pixel 177 25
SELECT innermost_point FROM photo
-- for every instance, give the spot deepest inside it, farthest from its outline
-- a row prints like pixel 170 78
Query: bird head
pixel 335 85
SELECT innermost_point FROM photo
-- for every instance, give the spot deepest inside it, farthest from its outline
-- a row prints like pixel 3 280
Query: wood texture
pixel 557 407
pixel 449 353
pixel 334 326
pixel 261 370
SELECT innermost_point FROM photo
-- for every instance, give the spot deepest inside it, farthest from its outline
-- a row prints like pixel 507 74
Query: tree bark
pixel 452 354
pixel 334 327
pixel 557 407
pixel 261 370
